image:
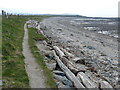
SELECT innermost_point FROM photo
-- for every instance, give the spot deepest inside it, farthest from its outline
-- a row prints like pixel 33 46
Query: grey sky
pixel 98 8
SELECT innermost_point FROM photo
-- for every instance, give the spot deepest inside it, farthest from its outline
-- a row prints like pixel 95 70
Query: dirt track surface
pixel 102 50
pixel 35 74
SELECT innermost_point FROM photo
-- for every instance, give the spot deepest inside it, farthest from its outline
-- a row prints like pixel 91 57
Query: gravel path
pixel 35 74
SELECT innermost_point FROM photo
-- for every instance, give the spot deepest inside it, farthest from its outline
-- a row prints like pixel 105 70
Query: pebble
pixel 51 66
pixel 71 34
pixel 61 85
pixel 63 79
pixel 49 56
pixel 59 73
pixel 90 47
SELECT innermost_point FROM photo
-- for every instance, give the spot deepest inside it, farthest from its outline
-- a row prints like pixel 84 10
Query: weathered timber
pixel 104 85
pixel 59 52
pixel 42 33
pixel 67 53
pixel 68 73
pixel 70 65
pixel 44 42
pixel 67 61
pixel 86 81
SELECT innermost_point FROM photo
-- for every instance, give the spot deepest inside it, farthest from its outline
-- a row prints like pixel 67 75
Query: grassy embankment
pixel 0 47
pixel 14 74
pixel 13 70
pixel 39 58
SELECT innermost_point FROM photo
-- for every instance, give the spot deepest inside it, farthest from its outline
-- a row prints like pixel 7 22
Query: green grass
pixel 37 17
pixel 50 83
pixel 13 66
pixel 0 47
pixel 13 70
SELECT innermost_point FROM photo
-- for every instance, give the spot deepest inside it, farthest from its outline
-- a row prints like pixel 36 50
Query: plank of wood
pixel 66 61
pixel 70 65
pixel 104 85
pixel 86 81
pixel 67 53
pixel 68 73
pixel 58 51
pixel 39 31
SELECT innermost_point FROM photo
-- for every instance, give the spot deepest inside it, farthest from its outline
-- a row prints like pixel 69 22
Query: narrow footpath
pixel 35 74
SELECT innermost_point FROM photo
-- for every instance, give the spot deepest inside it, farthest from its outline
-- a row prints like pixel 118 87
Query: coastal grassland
pixel 37 17
pixel 50 83
pixel 13 69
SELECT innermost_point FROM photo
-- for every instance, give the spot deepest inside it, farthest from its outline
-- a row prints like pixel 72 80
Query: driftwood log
pixel 67 53
pixel 45 43
pixel 72 66
pixel 104 85
pixel 86 81
pixel 68 73
pixel 59 52
pixel 41 32
pixel 67 61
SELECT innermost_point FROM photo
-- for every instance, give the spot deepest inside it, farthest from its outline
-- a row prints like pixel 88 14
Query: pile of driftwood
pixel 80 80
pixel 74 73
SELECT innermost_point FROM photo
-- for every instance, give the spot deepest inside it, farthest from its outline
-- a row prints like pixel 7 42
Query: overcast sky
pixel 97 8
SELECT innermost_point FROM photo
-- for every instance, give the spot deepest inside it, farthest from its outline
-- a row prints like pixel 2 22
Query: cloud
pixel 82 7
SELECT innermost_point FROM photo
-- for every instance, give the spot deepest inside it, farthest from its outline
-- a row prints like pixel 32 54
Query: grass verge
pixel 50 83
pixel 13 70
pixel 0 50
